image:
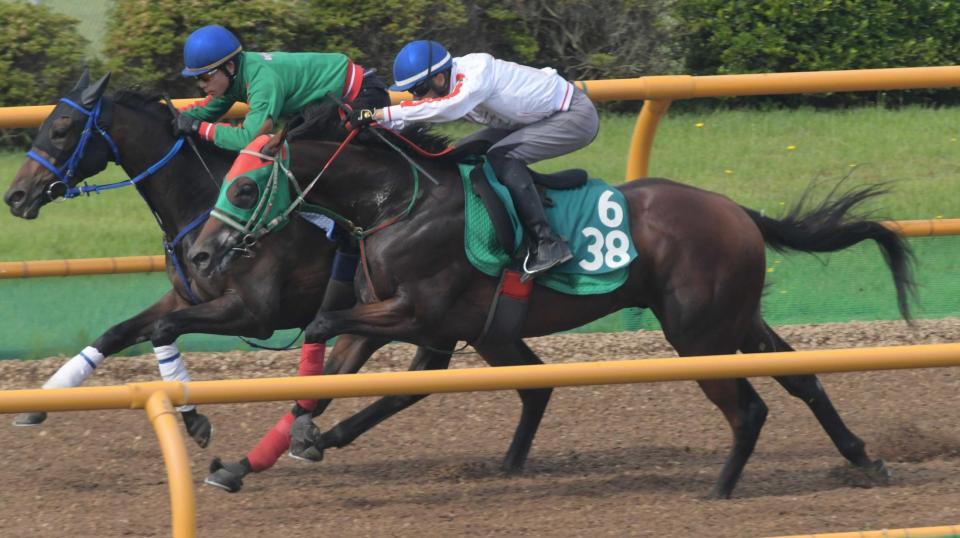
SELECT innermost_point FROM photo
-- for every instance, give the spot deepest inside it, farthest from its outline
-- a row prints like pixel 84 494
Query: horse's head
pixel 72 145
pixel 253 201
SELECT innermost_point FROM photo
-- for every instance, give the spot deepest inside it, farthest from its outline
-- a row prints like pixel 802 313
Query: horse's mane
pixel 153 105
pixel 149 103
pixel 326 125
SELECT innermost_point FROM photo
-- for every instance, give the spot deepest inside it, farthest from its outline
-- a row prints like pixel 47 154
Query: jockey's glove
pixel 359 118
pixel 185 125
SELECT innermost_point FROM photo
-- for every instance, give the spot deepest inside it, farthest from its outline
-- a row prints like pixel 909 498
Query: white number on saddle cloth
pixel 616 242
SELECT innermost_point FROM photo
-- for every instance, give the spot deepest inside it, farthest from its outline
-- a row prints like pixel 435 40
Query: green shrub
pixel 144 42
pixel 145 38
pixel 759 36
pixel 41 57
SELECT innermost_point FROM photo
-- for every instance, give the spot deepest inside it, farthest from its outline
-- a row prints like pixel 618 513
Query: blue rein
pixel 65 173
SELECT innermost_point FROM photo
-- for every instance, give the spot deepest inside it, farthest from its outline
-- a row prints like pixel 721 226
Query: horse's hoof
pixel 227 477
pixel 877 473
pixel 29 419
pixel 304 440
pixel 311 453
pixel 716 494
pixel 200 430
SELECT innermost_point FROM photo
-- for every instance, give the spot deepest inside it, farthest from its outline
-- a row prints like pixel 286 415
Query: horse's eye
pixel 248 189
pixel 60 127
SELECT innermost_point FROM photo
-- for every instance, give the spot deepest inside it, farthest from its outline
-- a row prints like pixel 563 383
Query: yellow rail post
pixel 644 132
pixel 179 478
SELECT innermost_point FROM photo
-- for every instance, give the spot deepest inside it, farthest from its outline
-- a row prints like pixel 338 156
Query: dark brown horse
pixel 700 269
pixel 281 287
pixel 246 303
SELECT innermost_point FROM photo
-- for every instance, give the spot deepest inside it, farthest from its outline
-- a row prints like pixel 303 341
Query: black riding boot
pixel 549 249
pixel 339 294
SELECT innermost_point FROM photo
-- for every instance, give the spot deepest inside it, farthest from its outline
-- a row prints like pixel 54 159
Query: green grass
pixel 915 149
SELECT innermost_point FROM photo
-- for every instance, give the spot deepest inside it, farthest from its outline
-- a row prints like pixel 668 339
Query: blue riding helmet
pixel 418 61
pixel 207 48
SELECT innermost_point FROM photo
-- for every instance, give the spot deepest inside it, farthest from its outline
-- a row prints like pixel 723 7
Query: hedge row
pixel 42 51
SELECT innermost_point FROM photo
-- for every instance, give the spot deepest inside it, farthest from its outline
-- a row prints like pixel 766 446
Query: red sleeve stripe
pixel 567 98
pixel 352 82
pixel 207 130
pixel 453 93
pixel 197 104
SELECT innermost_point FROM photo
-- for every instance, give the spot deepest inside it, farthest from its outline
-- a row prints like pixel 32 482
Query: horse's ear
pixel 272 147
pixel 92 93
pixel 83 82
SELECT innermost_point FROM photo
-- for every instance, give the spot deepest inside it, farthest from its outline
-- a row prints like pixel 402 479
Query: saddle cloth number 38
pixel 611 248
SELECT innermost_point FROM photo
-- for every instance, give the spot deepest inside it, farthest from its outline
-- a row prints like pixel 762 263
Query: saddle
pixel 561 181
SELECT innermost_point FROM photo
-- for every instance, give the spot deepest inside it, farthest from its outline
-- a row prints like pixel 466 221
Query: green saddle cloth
pixel 592 219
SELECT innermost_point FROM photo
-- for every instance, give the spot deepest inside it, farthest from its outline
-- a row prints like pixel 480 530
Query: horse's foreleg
pixel 534 400
pixel 225 315
pixel 348 356
pixel 763 339
pixel 347 430
pixel 117 338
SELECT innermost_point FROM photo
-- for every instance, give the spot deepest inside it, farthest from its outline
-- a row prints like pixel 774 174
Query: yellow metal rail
pixel 919 532
pixel 82 266
pixel 659 91
pixel 147 264
pixel 159 397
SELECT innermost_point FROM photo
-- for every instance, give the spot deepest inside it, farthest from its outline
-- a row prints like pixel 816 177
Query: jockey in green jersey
pixel 274 84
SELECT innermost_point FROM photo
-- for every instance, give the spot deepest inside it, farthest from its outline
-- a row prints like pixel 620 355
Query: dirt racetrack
pixel 630 460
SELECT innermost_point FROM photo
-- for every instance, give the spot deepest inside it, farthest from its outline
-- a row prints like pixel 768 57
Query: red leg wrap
pixel 272 445
pixel 311 363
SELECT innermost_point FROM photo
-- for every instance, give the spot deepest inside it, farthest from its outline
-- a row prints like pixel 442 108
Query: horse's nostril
pixel 15 197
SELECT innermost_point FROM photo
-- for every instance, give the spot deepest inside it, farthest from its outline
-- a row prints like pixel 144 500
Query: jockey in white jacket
pixel 531 114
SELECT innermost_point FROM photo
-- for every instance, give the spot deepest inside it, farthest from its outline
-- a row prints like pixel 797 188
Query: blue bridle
pixel 66 172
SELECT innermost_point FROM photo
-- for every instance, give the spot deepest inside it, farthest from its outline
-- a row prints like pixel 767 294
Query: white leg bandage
pixel 172 367
pixel 76 370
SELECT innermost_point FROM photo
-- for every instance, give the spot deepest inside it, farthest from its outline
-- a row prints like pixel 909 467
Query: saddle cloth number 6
pixel 615 241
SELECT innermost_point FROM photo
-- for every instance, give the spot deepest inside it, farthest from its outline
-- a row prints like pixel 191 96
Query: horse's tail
pixel 829 227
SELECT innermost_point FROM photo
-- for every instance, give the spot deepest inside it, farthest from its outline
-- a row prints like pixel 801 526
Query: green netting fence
pixel 60 315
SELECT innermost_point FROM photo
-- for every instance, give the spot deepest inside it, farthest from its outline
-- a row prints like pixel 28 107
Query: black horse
pixel 281 287
pixel 700 269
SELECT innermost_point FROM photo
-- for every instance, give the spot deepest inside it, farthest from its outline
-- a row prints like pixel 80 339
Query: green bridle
pixel 274 205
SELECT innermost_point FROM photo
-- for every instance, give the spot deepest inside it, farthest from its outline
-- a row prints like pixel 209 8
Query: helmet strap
pixel 441 90
pixel 236 68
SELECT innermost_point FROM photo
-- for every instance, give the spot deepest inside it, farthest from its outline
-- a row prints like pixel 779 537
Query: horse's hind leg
pixel 534 404
pixel 117 338
pixel 534 401
pixel 763 339
pixel 308 443
pixel 746 413
pixel 740 404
